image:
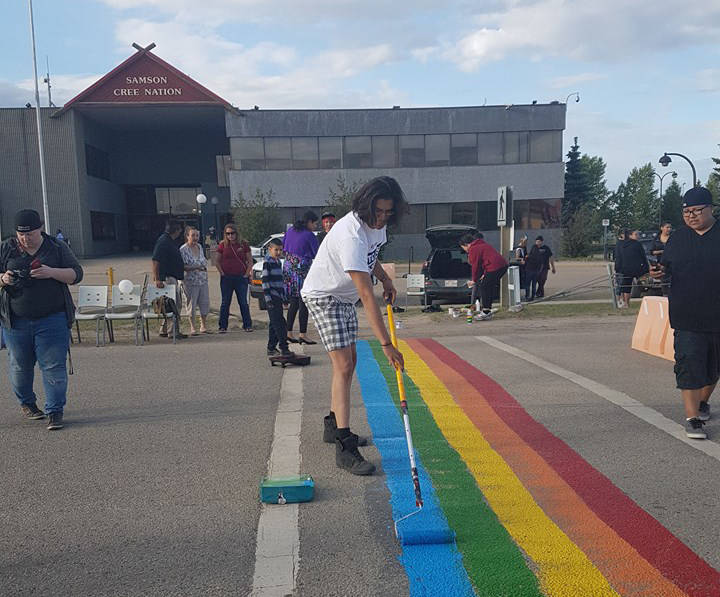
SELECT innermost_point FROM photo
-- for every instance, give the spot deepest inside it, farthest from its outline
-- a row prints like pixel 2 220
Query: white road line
pixel 618 398
pixel 277 553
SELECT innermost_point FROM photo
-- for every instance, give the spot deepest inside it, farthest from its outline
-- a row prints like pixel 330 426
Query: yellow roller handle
pixel 393 339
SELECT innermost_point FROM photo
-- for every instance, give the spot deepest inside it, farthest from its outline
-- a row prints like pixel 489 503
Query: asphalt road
pixel 152 488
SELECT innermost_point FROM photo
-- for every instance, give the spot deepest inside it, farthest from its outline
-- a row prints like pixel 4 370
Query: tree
pixel 713 185
pixel 340 198
pixel 257 217
pixel 634 204
pixel 672 205
pixel 576 190
pixel 582 228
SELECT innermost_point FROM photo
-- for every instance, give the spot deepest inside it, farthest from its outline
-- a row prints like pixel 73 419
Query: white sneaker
pixel 621 304
pixel 484 316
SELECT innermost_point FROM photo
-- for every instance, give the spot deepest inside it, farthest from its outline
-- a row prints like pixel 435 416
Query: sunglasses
pixel 230 233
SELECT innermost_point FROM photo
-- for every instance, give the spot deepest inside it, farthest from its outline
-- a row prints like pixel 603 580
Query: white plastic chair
pixel 154 292
pixel 125 305
pixel 92 304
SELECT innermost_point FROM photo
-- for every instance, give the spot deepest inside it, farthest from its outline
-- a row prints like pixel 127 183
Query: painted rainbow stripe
pixel 580 534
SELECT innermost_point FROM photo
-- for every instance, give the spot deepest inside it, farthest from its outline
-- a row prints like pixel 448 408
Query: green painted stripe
pixel 494 563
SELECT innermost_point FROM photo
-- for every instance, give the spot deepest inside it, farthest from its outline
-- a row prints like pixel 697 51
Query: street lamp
pixel 665 161
pixel 201 200
pixel 576 94
pixel 215 202
pixel 660 199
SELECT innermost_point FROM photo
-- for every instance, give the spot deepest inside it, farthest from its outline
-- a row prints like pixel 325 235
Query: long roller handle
pixel 404 409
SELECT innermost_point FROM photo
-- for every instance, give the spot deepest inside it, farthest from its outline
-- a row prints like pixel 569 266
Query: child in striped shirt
pixel 274 290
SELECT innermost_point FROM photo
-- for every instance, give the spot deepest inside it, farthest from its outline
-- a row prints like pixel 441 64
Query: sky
pixel 647 71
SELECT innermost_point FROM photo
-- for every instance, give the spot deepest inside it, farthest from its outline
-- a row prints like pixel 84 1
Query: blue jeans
pixel 238 285
pixel 44 341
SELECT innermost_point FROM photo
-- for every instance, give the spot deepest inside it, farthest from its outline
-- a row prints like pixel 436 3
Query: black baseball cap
pixel 327 214
pixel 697 196
pixel 27 220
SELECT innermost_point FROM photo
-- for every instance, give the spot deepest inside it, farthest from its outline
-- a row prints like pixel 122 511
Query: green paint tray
pixel 287 490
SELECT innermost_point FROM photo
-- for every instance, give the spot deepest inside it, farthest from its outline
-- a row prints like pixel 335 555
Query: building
pixel 144 140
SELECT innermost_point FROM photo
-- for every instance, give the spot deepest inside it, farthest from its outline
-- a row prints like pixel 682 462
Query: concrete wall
pixel 20 186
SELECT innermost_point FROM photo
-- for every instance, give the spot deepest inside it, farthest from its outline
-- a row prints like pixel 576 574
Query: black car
pixel 446 269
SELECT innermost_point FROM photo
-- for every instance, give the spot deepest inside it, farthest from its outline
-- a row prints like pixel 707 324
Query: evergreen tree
pixel 672 205
pixel 713 185
pixel 575 184
pixel 593 168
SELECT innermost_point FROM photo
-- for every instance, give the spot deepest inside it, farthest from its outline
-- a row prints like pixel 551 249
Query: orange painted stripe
pixel 625 569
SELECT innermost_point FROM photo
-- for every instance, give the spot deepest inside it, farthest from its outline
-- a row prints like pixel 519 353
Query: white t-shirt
pixel 351 245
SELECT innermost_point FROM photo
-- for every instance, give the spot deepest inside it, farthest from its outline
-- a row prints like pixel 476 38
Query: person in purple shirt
pixel 300 247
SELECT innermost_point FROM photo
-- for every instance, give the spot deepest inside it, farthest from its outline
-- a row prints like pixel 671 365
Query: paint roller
pixel 412 536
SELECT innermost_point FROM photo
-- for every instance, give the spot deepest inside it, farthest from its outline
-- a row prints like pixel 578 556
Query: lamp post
pixel 665 161
pixel 215 202
pixel 660 199
pixel 201 200
pixel 576 94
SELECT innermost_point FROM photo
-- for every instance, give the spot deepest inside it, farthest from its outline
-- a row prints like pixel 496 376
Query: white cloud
pixel 708 80
pixel 573 80
pixel 585 30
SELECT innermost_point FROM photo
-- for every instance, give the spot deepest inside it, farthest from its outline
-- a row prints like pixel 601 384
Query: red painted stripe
pixel 675 560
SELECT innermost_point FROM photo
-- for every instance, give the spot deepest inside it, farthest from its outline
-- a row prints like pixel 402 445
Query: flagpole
pixel 46 211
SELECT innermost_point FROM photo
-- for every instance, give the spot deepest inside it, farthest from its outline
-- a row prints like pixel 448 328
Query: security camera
pixel 508 106
pixel 28 105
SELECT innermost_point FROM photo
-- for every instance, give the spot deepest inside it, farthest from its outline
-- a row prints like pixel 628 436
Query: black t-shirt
pixel 693 262
pixel 31 297
pixel 167 254
pixel 539 258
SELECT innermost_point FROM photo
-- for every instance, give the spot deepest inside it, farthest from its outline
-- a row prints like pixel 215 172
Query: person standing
pixel 339 276
pixel 548 264
pixel 37 313
pixel 274 290
pixel 521 254
pixel 630 263
pixel 691 257
pixel 487 268
pixel 327 221
pixel 168 268
pixel 195 285
pixel 300 246
pixel 234 262
pixel 656 251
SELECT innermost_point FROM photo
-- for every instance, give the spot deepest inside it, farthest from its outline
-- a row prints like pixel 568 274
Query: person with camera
pixel 168 267
pixel 37 313
pixel 691 258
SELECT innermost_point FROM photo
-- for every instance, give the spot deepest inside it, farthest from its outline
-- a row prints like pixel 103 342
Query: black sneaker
pixel 348 457
pixel 31 411
pixel 286 352
pixel 271 352
pixel 330 430
pixel 55 421
pixel 694 428
pixel 704 411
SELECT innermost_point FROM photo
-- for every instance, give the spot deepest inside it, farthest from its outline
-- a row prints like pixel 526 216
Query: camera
pixel 21 277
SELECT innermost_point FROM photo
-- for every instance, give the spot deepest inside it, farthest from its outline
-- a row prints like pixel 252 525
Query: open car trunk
pixel 447 236
pixel 449 263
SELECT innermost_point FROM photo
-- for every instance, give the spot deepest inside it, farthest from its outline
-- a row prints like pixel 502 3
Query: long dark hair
pixel 382 187
pixel 308 216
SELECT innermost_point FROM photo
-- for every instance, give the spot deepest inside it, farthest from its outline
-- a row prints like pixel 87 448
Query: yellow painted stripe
pixel 563 569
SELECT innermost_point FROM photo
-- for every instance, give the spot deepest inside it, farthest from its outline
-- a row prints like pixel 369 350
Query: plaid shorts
pixel 336 322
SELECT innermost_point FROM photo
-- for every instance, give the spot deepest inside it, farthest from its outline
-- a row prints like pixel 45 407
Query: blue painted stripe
pixel 432 569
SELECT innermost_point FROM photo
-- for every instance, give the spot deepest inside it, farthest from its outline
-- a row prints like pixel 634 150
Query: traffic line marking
pixel 616 397
pixel 277 552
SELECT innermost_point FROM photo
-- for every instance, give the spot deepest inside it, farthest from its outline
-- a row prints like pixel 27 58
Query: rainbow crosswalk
pixel 532 517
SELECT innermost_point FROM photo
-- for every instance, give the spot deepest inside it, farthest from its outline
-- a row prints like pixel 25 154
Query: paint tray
pixel 287 490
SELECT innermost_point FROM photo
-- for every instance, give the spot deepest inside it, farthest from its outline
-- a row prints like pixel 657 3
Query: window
pixel 277 153
pixel 103 225
pixel 437 150
pixel 490 148
pixel 247 153
pixel 521 214
pixel 358 152
pixel 97 162
pixel 544 213
pixel 304 152
pixel 384 152
pixel 176 200
pixel 223 163
pixel 439 213
pixel 413 222
pixel 464 213
pixel 545 146
pixel 463 149
pixel 487 215
pixel 516 148
pixel 412 151
pixel 330 152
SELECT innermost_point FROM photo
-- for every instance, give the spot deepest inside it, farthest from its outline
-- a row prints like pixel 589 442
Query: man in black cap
pixel 692 260
pixel 37 312
pixel 327 220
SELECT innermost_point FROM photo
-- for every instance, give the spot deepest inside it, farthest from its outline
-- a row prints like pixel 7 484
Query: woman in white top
pixel 195 284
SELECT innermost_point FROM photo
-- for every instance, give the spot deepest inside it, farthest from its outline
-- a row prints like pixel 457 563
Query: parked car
pixel 258 254
pixel 446 269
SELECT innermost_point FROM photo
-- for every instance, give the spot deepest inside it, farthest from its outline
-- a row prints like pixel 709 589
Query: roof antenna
pixel 47 81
